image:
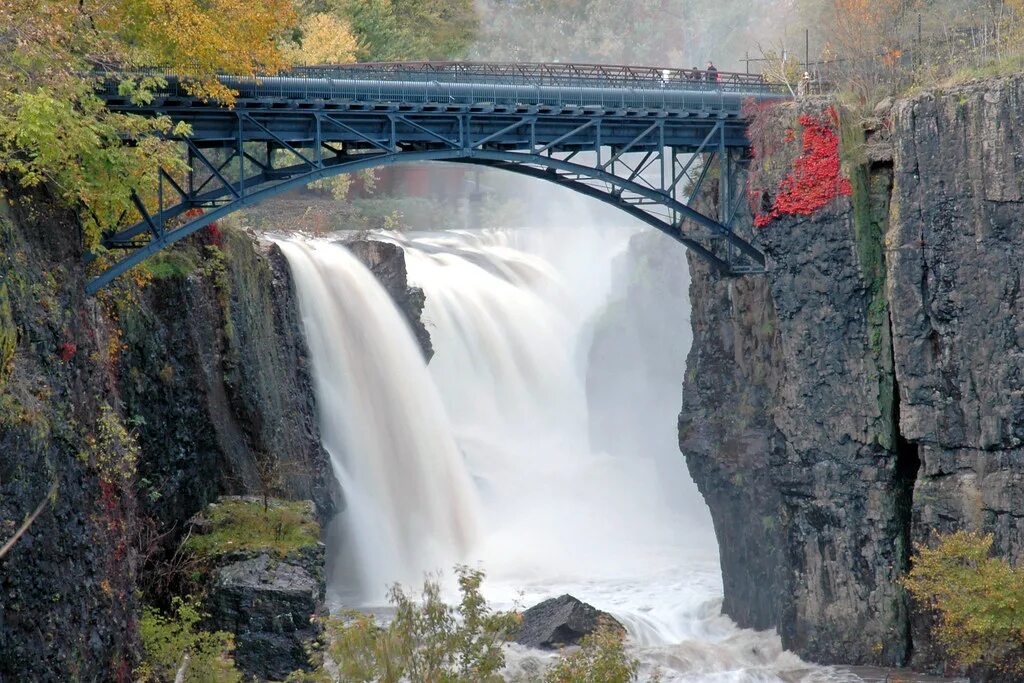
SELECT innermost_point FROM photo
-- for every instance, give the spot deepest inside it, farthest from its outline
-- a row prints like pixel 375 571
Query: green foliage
pixel 111 449
pixel 601 657
pixel 68 139
pixel 173 263
pixel 167 640
pixel 428 641
pixel 979 599
pixel 411 29
pixel 8 335
pixel 280 528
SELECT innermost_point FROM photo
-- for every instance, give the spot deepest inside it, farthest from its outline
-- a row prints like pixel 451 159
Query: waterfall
pixel 410 504
pixel 486 456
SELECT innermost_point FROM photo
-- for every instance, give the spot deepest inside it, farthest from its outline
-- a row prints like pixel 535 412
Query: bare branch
pixel 28 522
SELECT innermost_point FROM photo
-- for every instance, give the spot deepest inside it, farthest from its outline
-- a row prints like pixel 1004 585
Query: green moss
pixel 280 528
pixel 869 228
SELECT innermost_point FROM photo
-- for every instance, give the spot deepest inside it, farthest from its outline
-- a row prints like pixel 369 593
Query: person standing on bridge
pixel 711 72
pixel 694 74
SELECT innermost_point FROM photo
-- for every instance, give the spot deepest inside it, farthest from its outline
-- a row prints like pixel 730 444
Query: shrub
pixel 979 600
pixel 173 642
pixel 427 641
pixel 601 657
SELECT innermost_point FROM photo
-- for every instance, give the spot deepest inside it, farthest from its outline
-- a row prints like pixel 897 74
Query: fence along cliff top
pixel 642 139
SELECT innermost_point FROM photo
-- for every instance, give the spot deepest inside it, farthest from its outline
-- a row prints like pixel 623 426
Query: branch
pixel 180 676
pixel 28 522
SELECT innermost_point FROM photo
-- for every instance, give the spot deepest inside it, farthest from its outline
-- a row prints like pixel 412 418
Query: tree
pixel 199 38
pixel 427 640
pixel 979 600
pixel 324 39
pixel 411 29
pixel 55 131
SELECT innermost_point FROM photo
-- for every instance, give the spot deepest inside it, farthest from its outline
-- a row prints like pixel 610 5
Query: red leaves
pixel 816 178
pixel 67 351
pixel 211 233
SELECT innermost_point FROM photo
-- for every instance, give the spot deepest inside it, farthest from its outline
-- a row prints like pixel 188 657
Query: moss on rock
pixel 251 525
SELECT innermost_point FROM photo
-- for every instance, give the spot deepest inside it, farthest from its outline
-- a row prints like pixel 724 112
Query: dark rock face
pixel 562 621
pixel 182 385
pixel 267 591
pixel 268 604
pixel 954 272
pixel 866 391
pixel 387 262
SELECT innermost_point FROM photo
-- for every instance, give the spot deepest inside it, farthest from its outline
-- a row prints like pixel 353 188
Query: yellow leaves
pixel 326 39
pixel 980 600
pixel 199 39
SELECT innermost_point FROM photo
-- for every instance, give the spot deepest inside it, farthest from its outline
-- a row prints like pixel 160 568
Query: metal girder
pixel 581 152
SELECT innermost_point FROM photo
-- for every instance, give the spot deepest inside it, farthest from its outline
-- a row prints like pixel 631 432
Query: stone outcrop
pixel 387 262
pixel 562 621
pixel 866 392
pixel 269 592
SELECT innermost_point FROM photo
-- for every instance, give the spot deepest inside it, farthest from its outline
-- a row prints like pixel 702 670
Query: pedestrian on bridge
pixel 711 72
pixel 694 74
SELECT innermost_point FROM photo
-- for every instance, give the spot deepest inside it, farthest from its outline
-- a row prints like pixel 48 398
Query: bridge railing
pixel 469 82
pixel 554 74
pixel 462 94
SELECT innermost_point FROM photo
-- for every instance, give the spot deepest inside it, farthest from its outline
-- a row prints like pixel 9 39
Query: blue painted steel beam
pixel 326 126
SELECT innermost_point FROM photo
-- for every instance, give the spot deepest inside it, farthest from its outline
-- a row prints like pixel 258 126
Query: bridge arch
pixel 633 144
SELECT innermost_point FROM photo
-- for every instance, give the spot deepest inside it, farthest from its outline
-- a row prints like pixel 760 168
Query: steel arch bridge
pixel 642 139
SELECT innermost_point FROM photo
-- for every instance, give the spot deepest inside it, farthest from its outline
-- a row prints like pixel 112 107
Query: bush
pixel 979 600
pixel 426 642
pixel 601 657
pixel 168 640
pixel 429 641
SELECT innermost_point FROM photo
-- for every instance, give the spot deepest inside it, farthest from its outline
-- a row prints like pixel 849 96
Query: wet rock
pixel 267 579
pixel 387 262
pixel 268 604
pixel 562 621
pixel 866 392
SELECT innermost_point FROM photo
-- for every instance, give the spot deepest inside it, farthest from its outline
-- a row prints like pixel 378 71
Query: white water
pixel 485 457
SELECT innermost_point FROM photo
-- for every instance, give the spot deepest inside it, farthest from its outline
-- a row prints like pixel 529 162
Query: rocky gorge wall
pixel 129 412
pixel 866 392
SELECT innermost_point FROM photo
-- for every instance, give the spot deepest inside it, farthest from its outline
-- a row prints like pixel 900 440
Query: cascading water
pixel 485 457
pixel 410 505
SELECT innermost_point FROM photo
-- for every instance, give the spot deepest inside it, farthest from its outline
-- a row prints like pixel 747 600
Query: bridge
pixel 642 139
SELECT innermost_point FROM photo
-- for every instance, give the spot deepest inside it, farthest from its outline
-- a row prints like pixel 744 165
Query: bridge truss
pixel 647 151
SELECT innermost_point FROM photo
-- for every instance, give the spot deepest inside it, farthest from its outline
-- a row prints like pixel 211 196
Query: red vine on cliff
pixel 211 233
pixel 816 178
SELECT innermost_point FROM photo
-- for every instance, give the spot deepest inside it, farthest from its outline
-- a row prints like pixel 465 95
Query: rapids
pixel 486 458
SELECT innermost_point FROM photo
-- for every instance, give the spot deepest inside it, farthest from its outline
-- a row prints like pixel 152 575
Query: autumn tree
pixel 200 38
pixel 411 29
pixel 54 129
pixel 323 39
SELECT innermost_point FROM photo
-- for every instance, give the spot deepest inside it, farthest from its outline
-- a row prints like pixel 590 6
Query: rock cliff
pixel 185 380
pixel 867 390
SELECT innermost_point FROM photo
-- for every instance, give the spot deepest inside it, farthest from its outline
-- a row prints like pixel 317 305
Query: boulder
pixel 268 604
pixel 562 621
pixel 265 582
